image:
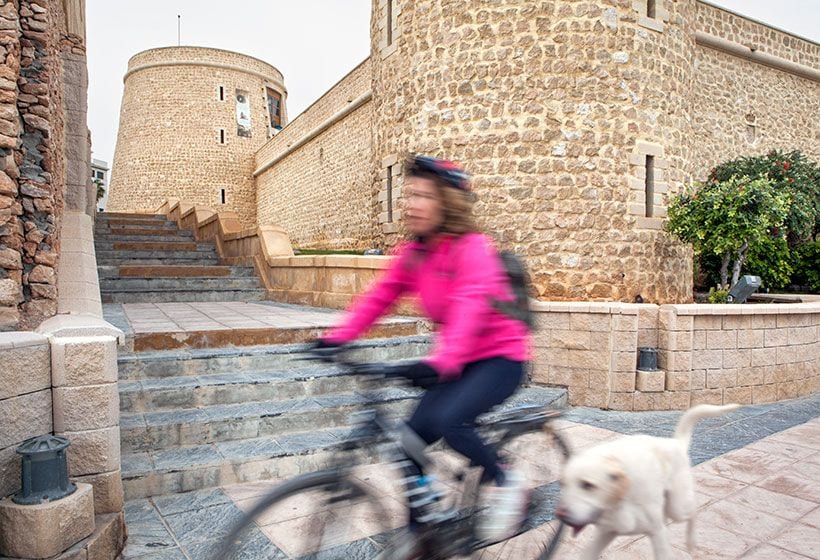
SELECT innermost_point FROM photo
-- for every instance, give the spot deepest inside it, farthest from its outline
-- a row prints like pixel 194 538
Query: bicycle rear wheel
pixel 539 456
pixel 318 516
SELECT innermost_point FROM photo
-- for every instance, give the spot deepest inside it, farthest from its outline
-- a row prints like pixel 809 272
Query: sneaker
pixel 505 508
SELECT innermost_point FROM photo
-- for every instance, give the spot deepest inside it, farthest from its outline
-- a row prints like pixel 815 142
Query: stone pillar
pixel 78 282
pixel 86 402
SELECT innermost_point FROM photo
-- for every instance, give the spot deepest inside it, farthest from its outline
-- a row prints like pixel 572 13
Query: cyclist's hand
pixel 324 350
pixel 420 374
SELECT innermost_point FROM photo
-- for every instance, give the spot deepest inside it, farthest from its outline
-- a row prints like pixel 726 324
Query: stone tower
pixel 191 122
pixel 573 117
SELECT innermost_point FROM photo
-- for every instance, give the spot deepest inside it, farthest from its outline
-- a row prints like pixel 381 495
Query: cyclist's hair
pixel 457 203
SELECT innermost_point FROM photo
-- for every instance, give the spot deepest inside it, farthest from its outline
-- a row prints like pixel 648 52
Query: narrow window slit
pixel 222 195
pixel 389 196
pixel 650 8
pixel 389 26
pixel 649 186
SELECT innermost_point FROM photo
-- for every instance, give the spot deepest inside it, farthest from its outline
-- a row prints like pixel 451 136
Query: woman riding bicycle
pixel 478 355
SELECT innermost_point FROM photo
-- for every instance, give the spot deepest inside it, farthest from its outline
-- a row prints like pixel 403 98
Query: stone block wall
pixel 314 178
pixel 25 399
pixel 755 354
pixel 744 108
pixel 202 154
pixel 716 354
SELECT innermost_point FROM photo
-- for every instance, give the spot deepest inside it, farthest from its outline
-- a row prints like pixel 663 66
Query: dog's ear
pixel 619 482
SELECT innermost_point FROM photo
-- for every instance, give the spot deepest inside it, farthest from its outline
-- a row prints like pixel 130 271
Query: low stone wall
pixel 707 353
pixel 62 380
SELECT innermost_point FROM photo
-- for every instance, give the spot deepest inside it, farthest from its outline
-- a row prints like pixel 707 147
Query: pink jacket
pixel 456 281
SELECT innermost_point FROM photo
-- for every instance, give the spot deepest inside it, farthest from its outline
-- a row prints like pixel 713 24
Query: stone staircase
pixel 211 389
pixel 147 258
pixel 193 419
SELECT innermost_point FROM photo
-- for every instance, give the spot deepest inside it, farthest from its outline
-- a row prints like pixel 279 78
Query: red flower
pixel 791 179
pixel 776 230
pixel 786 165
pixel 777 162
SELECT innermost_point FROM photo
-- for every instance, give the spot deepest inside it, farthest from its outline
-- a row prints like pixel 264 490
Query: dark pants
pixel 449 410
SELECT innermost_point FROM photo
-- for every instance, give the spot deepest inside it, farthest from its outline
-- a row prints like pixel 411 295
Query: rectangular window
pixel 222 195
pixel 649 186
pixel 221 93
pixel 221 135
pixel 651 8
pixel 243 114
pixel 274 102
pixel 389 27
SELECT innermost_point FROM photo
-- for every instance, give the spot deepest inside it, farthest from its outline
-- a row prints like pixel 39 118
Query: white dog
pixel 632 485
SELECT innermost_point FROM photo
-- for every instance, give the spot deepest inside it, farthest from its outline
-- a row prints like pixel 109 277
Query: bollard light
pixel 45 470
pixel 647 359
pixel 746 286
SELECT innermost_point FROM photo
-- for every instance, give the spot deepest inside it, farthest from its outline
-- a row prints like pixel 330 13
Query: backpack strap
pixel 518 280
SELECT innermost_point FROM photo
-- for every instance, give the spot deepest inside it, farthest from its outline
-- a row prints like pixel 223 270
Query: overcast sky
pixel 313 43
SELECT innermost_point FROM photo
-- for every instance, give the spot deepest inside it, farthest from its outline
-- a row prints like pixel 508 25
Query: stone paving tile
pixel 799 538
pixel 780 505
pixel 209 523
pixel 147 533
pixel 769 552
pixel 190 501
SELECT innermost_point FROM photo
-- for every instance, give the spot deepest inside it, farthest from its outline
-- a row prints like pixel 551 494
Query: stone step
pixel 154 246
pixel 105 259
pixel 185 362
pixel 159 430
pixel 171 271
pixel 178 284
pixel 238 385
pixel 176 237
pixel 107 256
pixel 171 295
pixel 147 222
pixel 196 467
pixel 129 215
pixel 170 229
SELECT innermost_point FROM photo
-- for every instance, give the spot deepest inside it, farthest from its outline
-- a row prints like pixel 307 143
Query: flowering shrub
pixel 727 219
pixel 789 172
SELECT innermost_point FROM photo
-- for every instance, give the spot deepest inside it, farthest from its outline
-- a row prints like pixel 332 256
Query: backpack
pixel 519 280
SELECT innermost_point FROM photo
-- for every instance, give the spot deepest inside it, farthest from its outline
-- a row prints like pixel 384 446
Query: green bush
pixel 727 219
pixel 716 295
pixel 788 254
pixel 789 172
pixel 807 265
pixel 772 260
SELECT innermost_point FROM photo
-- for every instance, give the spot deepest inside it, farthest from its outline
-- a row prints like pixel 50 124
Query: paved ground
pixel 757 473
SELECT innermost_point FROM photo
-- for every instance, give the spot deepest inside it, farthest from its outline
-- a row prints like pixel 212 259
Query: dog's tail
pixel 683 433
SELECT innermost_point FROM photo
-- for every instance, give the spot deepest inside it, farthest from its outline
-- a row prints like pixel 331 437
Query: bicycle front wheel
pixel 317 516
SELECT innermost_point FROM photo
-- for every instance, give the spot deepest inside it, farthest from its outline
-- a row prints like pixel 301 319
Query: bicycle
pixel 305 505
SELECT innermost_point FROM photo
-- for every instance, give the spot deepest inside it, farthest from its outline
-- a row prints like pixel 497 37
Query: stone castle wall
pixel 178 139
pixel 744 108
pixel 33 37
pixel 318 187
pixel 553 107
